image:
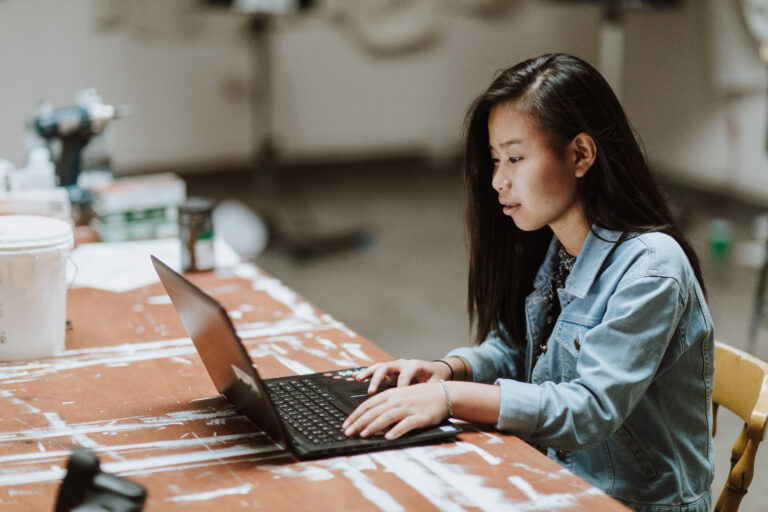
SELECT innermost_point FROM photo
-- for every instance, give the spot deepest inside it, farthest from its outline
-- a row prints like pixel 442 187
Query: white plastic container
pixel 33 288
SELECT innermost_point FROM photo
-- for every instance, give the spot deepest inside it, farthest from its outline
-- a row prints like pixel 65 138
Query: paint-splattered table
pixel 131 387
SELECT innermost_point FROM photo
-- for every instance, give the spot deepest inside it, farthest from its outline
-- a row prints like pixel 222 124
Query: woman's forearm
pixel 475 402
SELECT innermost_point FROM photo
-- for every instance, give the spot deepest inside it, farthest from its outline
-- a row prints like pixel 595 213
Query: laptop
pixel 303 413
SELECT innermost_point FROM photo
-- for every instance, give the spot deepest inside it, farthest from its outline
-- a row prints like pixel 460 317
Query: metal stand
pixel 757 312
pixel 762 282
pixel 266 173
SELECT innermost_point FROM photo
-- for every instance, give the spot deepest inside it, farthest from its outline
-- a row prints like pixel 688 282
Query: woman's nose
pixel 499 183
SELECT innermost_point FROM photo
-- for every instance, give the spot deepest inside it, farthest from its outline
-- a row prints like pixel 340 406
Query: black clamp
pixel 86 487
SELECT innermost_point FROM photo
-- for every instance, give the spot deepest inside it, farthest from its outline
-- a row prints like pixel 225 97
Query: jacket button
pixel 577 344
pixel 561 455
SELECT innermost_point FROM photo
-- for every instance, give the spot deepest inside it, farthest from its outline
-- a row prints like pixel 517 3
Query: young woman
pixel 594 342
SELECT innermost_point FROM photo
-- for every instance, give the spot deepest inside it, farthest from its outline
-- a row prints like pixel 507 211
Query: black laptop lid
pixel 216 340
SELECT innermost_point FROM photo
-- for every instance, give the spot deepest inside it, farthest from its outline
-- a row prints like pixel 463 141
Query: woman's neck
pixel 571 230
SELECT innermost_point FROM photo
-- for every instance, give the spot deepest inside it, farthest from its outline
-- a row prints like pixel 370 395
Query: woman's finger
pixel 406 376
pixel 381 418
pixel 365 372
pixel 382 372
pixel 404 426
pixel 361 410
pixel 362 420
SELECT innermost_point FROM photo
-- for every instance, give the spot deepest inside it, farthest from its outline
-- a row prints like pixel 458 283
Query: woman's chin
pixel 525 226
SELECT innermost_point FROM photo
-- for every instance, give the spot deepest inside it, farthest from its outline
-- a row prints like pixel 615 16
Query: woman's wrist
pixel 461 368
pixel 472 401
pixel 444 369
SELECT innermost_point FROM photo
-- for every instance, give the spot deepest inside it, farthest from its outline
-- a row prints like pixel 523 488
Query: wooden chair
pixel 741 386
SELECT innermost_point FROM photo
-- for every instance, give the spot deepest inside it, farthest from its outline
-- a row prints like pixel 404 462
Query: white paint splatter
pixel 338 325
pixel 295 366
pixel 281 293
pixel 356 350
pixel 326 342
pixel 525 487
pixel 223 289
pixel 469 486
pixel 181 458
pixel 413 474
pixel 210 495
pixel 142 465
pixel 352 468
pixel 158 299
pixel 246 271
pixel 278 327
pixel 116 425
pixel 539 501
pixel 278 453
pixel 77 437
pixel 152 446
pixel 315 352
pixel 29 407
pixel 310 471
pixel 493 438
pixel 15 492
pixel 53 474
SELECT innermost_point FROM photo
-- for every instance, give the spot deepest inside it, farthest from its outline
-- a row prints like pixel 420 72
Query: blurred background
pixel 329 132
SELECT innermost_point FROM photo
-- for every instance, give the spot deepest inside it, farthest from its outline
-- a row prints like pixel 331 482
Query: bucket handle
pixel 74 276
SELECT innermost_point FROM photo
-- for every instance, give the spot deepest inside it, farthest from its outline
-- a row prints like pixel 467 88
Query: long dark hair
pixel 564 96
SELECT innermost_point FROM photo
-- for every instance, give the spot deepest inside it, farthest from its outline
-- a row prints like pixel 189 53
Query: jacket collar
pixel 595 249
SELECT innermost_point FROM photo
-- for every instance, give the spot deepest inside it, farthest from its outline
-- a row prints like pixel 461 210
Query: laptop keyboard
pixel 310 409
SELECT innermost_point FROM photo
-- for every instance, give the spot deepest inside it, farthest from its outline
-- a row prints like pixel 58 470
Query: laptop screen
pixel 223 355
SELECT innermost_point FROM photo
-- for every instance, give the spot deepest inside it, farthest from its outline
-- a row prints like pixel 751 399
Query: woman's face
pixel 536 185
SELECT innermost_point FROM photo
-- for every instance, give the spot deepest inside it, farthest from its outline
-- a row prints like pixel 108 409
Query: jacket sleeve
pixel 493 359
pixel 617 362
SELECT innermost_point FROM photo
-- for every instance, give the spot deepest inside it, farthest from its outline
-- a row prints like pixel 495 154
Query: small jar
pixel 196 234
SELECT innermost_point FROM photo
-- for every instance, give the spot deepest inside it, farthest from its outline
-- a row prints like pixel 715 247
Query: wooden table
pixel 131 387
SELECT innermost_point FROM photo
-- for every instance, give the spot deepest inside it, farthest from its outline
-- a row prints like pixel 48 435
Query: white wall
pixel 692 88
pixel 695 91
pixel 52 48
pixel 330 96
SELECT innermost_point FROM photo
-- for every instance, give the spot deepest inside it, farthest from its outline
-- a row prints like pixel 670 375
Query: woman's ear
pixel 583 153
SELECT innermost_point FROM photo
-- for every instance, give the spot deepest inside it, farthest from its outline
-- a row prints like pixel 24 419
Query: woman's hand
pixel 407 408
pixel 404 372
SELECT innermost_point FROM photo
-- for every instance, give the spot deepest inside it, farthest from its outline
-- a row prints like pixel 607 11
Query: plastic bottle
pixel 40 172
pixel 720 238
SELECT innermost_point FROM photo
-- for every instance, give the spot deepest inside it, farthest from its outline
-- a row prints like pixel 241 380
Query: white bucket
pixel 33 289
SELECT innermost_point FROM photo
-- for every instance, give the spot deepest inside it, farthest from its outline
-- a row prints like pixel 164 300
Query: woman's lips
pixel 509 209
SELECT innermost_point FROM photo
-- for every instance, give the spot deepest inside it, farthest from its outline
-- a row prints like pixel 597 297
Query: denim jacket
pixel 621 395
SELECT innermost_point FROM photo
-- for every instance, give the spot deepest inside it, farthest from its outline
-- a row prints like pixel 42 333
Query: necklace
pixel 561 269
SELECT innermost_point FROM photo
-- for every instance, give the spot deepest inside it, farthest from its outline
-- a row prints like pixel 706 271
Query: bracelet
pixel 446 363
pixel 447 399
pixel 464 365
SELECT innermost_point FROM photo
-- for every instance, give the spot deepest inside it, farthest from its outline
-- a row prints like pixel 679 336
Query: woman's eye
pixel 515 159
pixel 494 161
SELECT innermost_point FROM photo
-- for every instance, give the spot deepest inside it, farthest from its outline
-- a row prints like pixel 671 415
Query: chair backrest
pixel 741 386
